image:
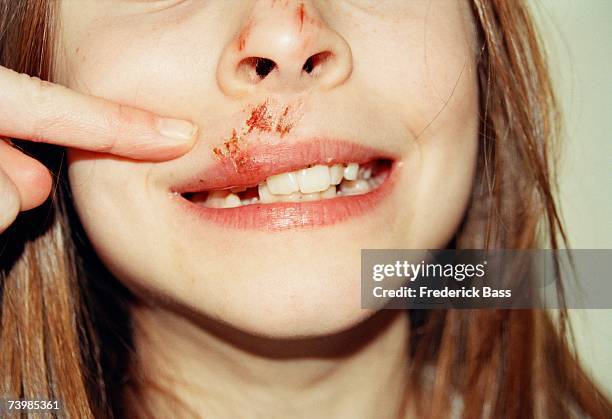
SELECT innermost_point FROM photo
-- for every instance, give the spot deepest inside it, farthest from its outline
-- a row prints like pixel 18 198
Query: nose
pixel 283 46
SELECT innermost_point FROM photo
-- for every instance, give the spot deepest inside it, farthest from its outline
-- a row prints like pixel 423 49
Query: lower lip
pixel 291 215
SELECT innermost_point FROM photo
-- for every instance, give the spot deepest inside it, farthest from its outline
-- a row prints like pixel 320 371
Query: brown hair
pixel 65 337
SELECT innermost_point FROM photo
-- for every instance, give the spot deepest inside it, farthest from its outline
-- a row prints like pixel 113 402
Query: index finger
pixel 36 110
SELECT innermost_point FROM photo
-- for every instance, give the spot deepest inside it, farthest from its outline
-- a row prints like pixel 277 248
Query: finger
pixel 31 178
pixel 9 201
pixel 32 109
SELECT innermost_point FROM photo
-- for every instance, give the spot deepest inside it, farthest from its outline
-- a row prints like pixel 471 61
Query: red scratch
pixel 301 14
pixel 284 125
pixel 229 147
pixel 232 151
pixel 244 35
pixel 260 119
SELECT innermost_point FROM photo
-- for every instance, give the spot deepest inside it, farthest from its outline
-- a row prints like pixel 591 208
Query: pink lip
pixel 253 165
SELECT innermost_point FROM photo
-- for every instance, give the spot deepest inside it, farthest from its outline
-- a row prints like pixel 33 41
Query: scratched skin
pixel 263 118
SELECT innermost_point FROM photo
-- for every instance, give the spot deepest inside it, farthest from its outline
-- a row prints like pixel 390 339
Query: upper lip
pixel 251 165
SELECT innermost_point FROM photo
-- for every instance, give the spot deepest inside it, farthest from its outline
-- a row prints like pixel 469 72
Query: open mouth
pixel 310 183
pixel 314 182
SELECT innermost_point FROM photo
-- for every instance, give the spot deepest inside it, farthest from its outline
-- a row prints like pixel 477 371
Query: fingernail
pixel 177 129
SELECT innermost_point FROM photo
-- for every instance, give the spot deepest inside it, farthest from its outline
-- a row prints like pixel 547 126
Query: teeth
pixel 336 173
pixel 265 195
pixel 232 201
pixel 216 199
pixel 311 196
pixel 351 171
pixel 314 179
pixel 310 184
pixel 354 187
pixel 294 197
pixel 222 199
pixel 329 192
pixel 283 184
pixel 365 172
pixel 248 201
pixel 375 182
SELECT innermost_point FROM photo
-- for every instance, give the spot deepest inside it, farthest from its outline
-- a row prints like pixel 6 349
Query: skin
pixel 230 305
pixel 36 110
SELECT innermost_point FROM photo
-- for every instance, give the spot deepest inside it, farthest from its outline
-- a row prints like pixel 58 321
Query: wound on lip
pixel 232 151
pixel 261 119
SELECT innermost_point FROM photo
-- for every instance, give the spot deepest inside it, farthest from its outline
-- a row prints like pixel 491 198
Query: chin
pixel 327 318
pixel 285 299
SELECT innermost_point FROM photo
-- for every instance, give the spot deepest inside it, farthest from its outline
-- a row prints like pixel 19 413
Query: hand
pixel 35 110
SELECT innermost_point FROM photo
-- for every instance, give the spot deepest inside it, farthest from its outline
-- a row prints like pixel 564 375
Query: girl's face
pixel 276 86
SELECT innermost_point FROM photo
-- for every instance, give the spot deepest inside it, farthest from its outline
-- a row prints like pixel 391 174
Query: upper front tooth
pixel 351 171
pixel 264 193
pixel 283 184
pixel 336 172
pixel 314 179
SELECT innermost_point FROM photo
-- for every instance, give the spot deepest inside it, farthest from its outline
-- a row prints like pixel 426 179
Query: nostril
pixel 256 69
pixel 264 66
pixel 308 65
pixel 316 61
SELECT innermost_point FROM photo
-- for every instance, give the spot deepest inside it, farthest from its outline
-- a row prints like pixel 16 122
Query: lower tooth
pixel 248 201
pixel 216 199
pixel 232 201
pixel 329 192
pixel 375 182
pixel 311 196
pixel 354 187
pixel 365 173
pixel 294 197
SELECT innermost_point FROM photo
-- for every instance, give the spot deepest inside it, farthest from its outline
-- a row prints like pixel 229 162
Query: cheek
pixel 141 60
pixel 439 169
pixel 434 89
pixel 426 56
pixel 104 190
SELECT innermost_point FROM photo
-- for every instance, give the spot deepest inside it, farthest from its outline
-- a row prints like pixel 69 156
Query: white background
pixel 578 34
